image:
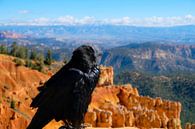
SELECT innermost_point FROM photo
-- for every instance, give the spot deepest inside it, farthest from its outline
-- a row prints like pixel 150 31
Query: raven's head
pixel 85 57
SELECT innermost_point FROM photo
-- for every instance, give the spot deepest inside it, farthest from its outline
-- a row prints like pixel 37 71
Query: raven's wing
pixel 55 97
pixel 82 93
pixel 59 87
pixel 67 94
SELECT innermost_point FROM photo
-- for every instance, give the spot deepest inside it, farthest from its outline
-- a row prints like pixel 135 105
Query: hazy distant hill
pixel 116 33
pixel 151 57
pixel 5 34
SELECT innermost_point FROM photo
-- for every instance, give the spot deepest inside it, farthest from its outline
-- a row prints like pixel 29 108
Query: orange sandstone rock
pixel 193 126
pixel 90 118
pixel 188 126
pixel 130 109
pixel 129 119
pixel 111 106
pixel 106 76
pixel 17 85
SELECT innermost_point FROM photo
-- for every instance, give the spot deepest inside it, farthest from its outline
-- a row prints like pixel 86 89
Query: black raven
pixel 67 94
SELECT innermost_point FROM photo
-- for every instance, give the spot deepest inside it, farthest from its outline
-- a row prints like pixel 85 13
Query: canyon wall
pixel 111 106
pixel 121 106
pixel 18 85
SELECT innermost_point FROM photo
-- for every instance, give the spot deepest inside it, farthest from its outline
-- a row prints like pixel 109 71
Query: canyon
pixel 115 106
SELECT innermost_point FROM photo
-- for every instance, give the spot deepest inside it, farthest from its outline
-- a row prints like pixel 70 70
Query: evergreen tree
pixel 48 58
pixel 39 62
pixel 22 52
pixel 14 49
pixel 28 63
pixel 33 55
pixel 40 57
pixel 18 62
pixel 3 49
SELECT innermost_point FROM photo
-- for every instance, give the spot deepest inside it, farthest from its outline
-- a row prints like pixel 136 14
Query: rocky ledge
pixel 111 106
pixel 122 106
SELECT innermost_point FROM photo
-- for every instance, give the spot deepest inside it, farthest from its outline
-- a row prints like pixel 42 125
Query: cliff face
pixel 152 57
pixel 121 105
pixel 18 85
pixel 112 105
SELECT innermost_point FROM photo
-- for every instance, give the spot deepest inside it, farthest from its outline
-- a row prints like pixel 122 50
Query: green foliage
pixel 39 62
pixel 18 62
pixel 48 58
pixel 13 104
pixel 18 51
pixel 177 86
pixel 40 58
pixel 3 49
pixel 14 49
pixel 22 52
pixel 28 63
pixel 33 55
pixel 32 59
pixel 38 66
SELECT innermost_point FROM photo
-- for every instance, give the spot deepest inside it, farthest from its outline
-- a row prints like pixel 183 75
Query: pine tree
pixel 39 62
pixel 28 63
pixel 33 55
pixel 3 49
pixel 22 52
pixel 14 49
pixel 48 58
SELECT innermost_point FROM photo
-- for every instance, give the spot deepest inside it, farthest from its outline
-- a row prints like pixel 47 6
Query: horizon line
pixel 88 20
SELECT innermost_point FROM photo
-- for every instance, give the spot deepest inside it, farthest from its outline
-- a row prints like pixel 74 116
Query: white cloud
pixel 23 11
pixel 154 21
pixel 87 20
pixel 70 20
pixel 149 21
pixel 41 21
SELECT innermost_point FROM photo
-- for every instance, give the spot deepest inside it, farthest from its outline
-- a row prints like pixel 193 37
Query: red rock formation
pixel 190 126
pixel 193 126
pixel 106 76
pixel 18 85
pixel 128 108
pixel 112 106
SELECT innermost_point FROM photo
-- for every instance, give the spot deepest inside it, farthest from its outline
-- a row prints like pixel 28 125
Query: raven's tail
pixel 40 119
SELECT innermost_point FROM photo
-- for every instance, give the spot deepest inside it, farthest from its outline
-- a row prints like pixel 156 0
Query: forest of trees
pixel 28 57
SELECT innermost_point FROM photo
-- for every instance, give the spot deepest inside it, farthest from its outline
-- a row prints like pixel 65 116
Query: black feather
pixel 67 94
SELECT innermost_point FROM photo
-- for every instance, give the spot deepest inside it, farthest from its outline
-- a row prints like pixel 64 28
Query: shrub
pixel 28 63
pixel 3 49
pixel 48 58
pixel 18 62
pixel 13 104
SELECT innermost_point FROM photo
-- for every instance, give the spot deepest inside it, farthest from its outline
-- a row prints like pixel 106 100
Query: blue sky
pixel 83 11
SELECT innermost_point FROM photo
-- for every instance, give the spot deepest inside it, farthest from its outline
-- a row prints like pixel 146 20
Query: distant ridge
pixel 176 34
pixel 151 57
